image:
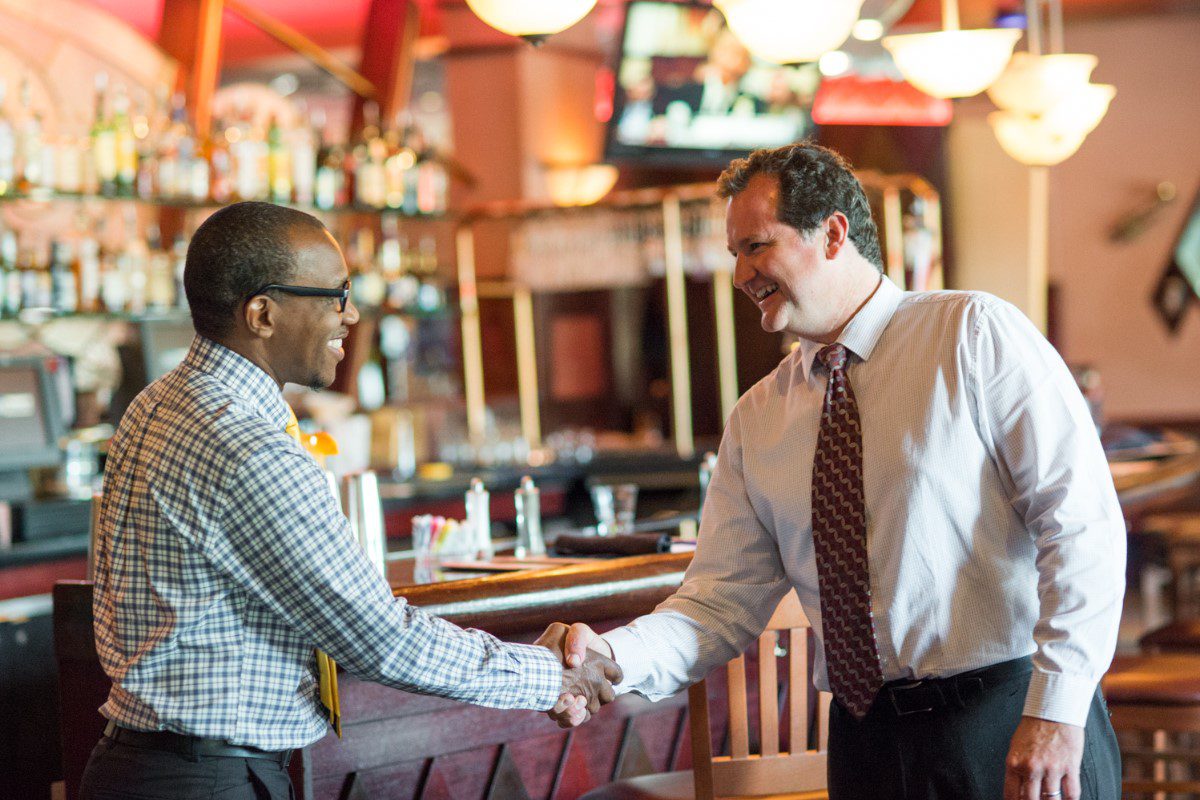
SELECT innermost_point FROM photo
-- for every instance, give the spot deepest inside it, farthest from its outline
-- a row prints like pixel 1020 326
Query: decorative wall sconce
pixel 579 185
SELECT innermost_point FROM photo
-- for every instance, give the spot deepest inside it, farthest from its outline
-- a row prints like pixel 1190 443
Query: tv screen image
pixel 687 90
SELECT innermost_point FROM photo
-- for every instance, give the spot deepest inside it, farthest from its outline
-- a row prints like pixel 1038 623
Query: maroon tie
pixel 840 540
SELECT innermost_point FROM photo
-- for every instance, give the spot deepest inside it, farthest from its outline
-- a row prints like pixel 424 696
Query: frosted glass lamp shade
pixel 952 63
pixel 790 31
pixel 1082 109
pixel 531 18
pixel 1032 141
pixel 1034 84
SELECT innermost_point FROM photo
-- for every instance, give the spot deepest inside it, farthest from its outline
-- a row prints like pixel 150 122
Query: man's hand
pixel 587 680
pixel 1043 761
pixel 581 638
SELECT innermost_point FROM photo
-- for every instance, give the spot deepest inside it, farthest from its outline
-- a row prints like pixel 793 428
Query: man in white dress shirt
pixel 924 472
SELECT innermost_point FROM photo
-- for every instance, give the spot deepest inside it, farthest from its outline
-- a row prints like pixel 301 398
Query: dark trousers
pixel 118 771
pixel 956 749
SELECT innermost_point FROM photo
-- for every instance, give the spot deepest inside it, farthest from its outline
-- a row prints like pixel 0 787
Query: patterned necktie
pixel 840 540
pixel 326 666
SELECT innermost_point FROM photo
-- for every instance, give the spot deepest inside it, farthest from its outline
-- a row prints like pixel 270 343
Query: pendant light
pixel 532 20
pixel 790 31
pixel 952 62
pixel 1048 106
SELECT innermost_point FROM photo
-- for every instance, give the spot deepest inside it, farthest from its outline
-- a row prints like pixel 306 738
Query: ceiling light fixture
pixel 532 20
pixel 952 62
pixel 790 31
pixel 1048 104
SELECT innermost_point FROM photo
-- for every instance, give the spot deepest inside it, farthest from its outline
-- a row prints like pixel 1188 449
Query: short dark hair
pixel 238 249
pixel 814 182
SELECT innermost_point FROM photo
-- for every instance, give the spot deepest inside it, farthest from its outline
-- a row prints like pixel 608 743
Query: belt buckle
pixel 896 692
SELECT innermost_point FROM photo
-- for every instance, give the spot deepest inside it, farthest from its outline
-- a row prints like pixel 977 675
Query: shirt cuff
pixel 540 675
pixel 633 659
pixel 1059 698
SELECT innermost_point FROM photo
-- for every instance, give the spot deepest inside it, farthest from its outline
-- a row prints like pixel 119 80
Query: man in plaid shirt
pixel 222 558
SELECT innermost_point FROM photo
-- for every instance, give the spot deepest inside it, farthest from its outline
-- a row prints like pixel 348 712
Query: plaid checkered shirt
pixel 222 560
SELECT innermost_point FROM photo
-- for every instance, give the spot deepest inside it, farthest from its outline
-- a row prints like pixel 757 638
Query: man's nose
pixel 743 273
pixel 350 315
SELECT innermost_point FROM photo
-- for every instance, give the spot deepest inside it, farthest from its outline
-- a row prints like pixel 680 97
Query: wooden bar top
pixel 516 602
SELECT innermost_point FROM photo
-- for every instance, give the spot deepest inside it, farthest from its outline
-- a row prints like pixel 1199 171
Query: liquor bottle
pixel 126 144
pixel 150 123
pixel 369 156
pixel 220 162
pixel 10 277
pixel 104 141
pixel 303 150
pixel 8 148
pixel 64 296
pixel 178 262
pixel 87 274
pixel 37 290
pixel 68 154
pixel 160 277
pixel 31 177
pixel 279 164
pixel 399 159
pixel 330 188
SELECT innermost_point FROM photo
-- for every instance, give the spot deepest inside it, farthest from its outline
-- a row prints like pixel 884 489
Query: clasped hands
pixel 588 672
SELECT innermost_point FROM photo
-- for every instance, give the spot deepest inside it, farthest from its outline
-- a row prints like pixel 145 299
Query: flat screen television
pixel 689 93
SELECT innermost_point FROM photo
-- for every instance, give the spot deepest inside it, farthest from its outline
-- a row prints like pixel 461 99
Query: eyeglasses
pixel 342 294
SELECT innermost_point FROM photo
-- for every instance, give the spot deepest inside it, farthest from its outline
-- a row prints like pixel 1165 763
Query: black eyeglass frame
pixel 342 294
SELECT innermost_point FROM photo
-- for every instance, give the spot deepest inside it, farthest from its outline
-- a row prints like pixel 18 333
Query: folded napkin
pixel 632 544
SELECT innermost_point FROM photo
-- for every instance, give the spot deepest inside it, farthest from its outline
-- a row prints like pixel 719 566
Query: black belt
pixel 190 746
pixel 913 697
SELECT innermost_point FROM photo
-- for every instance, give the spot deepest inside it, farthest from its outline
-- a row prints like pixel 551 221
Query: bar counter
pixel 404 745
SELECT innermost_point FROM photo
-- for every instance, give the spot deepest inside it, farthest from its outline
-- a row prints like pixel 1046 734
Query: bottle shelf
pixel 203 205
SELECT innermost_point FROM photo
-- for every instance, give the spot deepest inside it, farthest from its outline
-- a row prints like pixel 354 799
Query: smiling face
pixel 794 279
pixel 307 346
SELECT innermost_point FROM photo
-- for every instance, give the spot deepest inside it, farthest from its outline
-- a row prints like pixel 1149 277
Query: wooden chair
pixel 770 773
pixel 1154 701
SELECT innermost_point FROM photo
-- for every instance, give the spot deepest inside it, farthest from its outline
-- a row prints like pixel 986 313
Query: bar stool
pixel 1156 697
pixel 1180 636
pixel 1180 532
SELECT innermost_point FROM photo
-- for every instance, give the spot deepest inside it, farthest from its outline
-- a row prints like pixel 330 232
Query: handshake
pixel 588 673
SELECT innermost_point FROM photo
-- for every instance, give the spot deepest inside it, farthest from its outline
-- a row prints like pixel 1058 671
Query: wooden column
pixel 191 34
pixel 387 57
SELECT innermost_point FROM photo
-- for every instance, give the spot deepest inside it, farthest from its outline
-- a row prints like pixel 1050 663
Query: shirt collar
pixel 862 332
pixel 245 378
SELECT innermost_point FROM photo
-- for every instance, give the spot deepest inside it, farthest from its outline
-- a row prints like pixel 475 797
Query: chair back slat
pixel 768 695
pixel 770 772
pixel 739 725
pixel 824 699
pixel 702 764
pixel 797 689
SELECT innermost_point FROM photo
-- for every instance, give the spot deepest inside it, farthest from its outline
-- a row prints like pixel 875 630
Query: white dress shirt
pixel 993 529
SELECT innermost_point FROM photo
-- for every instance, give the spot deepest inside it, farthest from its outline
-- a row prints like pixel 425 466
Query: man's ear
pixel 259 316
pixel 837 234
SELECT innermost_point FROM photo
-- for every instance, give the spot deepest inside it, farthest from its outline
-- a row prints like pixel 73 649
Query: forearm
pixel 701 627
